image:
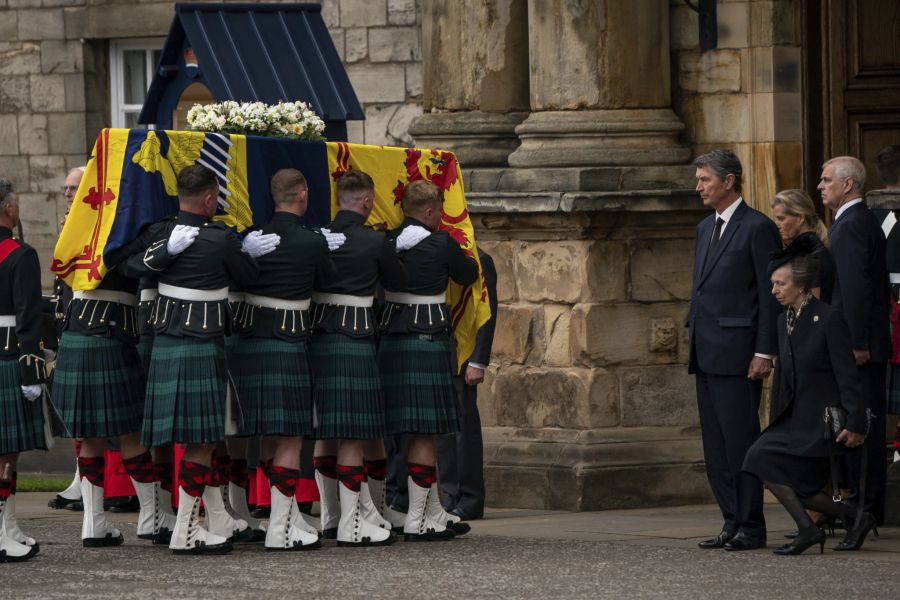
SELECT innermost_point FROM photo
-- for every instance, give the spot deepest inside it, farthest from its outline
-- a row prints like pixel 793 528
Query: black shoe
pixel 263 512
pixel 742 541
pixel 805 539
pixel 466 516
pixel 60 502
pixel 828 523
pixel 128 504
pixel 791 535
pixel 717 542
pixel 77 506
pixel 856 536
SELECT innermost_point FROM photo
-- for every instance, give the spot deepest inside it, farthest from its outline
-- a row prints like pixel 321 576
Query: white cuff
pixel 478 366
pixel 766 356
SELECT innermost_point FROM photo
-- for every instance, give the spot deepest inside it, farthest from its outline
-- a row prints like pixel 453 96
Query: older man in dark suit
pixel 733 342
pixel 461 455
pixel 862 294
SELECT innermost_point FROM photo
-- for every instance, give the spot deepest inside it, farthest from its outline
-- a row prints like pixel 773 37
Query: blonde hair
pixel 797 203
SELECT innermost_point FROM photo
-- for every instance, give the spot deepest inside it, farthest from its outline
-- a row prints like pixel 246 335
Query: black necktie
pixel 715 240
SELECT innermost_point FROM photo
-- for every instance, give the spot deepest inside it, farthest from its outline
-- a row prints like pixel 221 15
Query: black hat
pixel 804 244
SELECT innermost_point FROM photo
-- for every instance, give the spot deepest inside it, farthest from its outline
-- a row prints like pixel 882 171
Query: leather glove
pixel 181 238
pixel 335 240
pixel 32 392
pixel 256 244
pixel 411 236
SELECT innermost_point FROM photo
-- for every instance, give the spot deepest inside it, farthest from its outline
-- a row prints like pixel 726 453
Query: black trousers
pixel 460 456
pixel 729 423
pixel 873 377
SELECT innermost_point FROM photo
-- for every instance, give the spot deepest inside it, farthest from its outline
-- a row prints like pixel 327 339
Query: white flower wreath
pixel 294 120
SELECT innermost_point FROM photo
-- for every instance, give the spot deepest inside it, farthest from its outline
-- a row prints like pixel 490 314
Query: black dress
pixel 815 369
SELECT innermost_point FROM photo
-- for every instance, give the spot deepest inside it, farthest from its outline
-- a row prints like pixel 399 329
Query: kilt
pixel 346 388
pixel 144 347
pixel 273 382
pixel 187 391
pixel 231 342
pixel 21 421
pixel 98 386
pixel 417 378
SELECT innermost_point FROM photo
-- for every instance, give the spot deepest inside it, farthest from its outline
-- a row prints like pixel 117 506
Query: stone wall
pixel 745 94
pixel 55 97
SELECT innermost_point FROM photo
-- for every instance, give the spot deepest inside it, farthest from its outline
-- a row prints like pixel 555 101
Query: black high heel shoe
pixel 827 522
pixel 806 538
pixel 856 536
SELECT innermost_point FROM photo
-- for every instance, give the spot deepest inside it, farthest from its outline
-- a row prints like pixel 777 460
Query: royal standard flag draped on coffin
pixel 130 182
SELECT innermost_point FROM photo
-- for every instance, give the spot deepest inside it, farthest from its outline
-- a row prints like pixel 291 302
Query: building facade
pixel 575 123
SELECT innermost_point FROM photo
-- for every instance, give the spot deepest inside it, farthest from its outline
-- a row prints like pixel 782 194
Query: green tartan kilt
pixel 144 348
pixel 231 343
pixel 417 377
pixel 893 389
pixel 346 388
pixel 272 378
pixel 21 421
pixel 187 392
pixel 98 386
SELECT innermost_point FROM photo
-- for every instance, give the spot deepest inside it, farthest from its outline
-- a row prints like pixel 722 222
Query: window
pixel 132 64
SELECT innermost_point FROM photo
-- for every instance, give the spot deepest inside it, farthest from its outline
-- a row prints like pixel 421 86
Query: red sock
pixel 140 467
pixel 284 479
pixel 5 489
pixel 91 467
pixel 237 473
pixel 422 475
pixel 351 477
pixel 326 465
pixel 193 477
pixel 163 473
pixel 376 469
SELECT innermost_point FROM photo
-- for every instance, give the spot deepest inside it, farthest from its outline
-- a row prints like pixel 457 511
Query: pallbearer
pixel 270 365
pixel 415 356
pixel 346 387
pixel 188 395
pixel 22 372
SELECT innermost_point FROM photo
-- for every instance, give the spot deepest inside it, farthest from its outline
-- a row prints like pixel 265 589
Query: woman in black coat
pixel 815 370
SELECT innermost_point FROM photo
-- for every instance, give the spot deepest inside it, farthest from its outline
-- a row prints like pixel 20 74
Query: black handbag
pixel 835 422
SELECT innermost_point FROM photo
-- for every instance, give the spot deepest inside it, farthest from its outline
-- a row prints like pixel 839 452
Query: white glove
pixel 411 236
pixel 256 244
pixel 335 240
pixel 32 392
pixel 181 238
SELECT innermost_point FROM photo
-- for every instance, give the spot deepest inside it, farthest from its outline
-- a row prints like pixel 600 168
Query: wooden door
pixel 860 79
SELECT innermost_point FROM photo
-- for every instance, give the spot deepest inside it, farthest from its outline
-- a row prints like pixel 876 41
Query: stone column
pixel 475 58
pixel 600 86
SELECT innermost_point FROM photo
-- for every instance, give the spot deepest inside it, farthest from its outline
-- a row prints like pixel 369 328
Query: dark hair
pixel 421 194
pixel 722 162
pixel 285 184
pixel 355 181
pixel 887 163
pixel 195 180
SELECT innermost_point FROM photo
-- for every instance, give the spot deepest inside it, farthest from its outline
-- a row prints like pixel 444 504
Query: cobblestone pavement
pixel 510 554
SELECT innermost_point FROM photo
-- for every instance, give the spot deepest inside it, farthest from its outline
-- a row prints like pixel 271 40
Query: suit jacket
pixel 733 312
pixel 485 337
pixel 862 293
pixel 815 369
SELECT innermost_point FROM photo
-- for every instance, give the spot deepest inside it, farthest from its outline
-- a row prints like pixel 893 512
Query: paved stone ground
pixel 510 554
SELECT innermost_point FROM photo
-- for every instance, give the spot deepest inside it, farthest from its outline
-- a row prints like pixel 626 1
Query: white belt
pixel 895 277
pixel 404 298
pixel 234 297
pixel 276 303
pixel 343 300
pixel 7 320
pixel 192 295
pixel 106 296
pixel 149 294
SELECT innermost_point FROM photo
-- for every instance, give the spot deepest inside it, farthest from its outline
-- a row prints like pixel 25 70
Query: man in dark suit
pixel 461 455
pixel 862 294
pixel 733 341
